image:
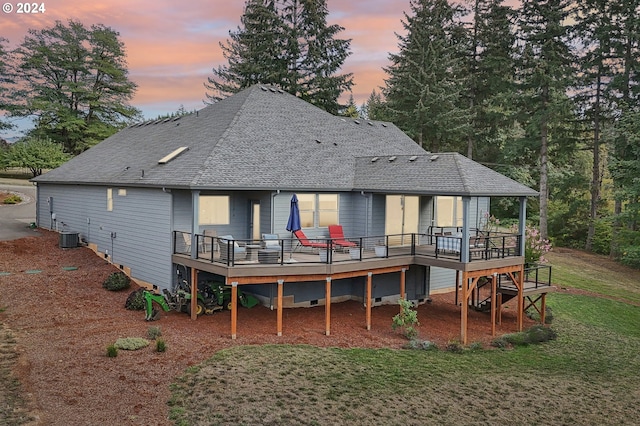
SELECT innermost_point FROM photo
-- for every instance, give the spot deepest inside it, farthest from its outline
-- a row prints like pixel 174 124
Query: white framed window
pixel 318 210
pixel 109 199
pixel 214 210
pixel 122 192
pixel 449 211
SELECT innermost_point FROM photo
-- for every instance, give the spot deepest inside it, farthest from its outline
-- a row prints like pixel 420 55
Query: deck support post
pixel 368 301
pixel 279 310
pixel 194 293
pixel 403 280
pixel 543 308
pixel 327 308
pixel 520 284
pixel 465 308
pixel 494 286
pixel 234 309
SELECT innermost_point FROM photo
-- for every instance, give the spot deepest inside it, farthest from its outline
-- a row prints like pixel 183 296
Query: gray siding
pixel 140 222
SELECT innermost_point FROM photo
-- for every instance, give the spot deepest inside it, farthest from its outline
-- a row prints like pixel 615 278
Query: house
pixel 156 197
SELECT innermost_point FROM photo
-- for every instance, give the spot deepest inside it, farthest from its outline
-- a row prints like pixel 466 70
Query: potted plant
pixel 381 249
pixel 354 253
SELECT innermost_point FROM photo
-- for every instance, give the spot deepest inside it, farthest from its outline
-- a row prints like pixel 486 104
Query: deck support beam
pixel 234 309
pixel 194 293
pixel 279 309
pixel 327 308
pixel 368 301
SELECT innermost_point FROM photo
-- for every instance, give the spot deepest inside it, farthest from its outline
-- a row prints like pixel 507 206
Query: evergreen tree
pixel 75 84
pixel 594 20
pixel 374 108
pixel 424 91
pixel 544 78
pixel 492 78
pixel 286 43
pixel 254 52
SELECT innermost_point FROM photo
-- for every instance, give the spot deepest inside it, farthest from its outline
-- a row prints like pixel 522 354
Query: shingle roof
pixel 264 138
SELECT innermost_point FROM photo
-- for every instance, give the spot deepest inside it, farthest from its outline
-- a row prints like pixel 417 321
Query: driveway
pixel 15 219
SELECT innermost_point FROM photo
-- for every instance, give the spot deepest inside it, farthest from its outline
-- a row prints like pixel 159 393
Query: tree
pixel 75 84
pixel 286 43
pixel 491 82
pixel 254 52
pixel 544 77
pixel 36 155
pixel 6 79
pixel 424 91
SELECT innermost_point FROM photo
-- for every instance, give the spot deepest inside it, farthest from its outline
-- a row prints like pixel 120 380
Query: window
pixel 448 211
pixel 318 210
pixel 214 210
pixel 109 199
pixel 122 192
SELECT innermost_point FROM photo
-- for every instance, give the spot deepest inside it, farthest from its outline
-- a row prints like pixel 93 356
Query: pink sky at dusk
pixel 172 46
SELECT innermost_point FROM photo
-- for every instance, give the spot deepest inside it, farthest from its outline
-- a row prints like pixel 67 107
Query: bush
pixel 154 332
pixel 631 257
pixel 116 281
pixel 406 320
pixel 112 351
pixel 536 334
pixel 135 301
pixel 131 343
pixel 161 346
pixel 424 345
pixel 455 347
pixel 13 199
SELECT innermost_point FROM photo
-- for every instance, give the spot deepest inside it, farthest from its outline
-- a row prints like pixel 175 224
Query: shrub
pixel 154 332
pixel 406 320
pixel 131 343
pixel 631 257
pixel 455 347
pixel 536 334
pixel 424 345
pixel 135 301
pixel 116 281
pixel 161 346
pixel 112 351
pixel 534 315
pixel 13 199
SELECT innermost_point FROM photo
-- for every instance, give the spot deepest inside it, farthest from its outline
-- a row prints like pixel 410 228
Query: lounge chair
pixel 337 236
pixel 239 252
pixel 305 242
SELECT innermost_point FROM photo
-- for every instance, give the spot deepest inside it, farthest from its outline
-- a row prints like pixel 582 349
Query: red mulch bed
pixel 63 321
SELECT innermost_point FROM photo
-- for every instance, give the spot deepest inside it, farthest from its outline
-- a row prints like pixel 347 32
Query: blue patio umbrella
pixel 294 215
pixel 293 224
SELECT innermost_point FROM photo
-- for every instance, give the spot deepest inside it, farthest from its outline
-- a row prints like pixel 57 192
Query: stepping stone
pixel 32 271
pixel 69 268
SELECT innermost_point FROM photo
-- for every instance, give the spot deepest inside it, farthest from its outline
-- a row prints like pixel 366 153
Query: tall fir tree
pixel 594 20
pixel 6 81
pixel 287 43
pixel 491 83
pixel 544 77
pixel 75 83
pixel 424 90
pixel 254 52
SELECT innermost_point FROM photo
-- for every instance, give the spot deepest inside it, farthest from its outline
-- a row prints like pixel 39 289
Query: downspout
pixel 464 244
pixel 366 212
pixel 195 220
pixel 522 224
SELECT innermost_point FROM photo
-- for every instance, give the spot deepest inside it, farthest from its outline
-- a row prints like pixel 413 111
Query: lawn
pixel 588 375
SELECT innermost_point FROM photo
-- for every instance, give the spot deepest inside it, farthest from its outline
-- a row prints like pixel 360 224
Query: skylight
pixel 172 155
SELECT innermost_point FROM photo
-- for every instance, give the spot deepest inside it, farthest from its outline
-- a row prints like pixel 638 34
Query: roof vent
pixel 280 91
pixel 356 121
pixel 177 118
pixel 172 155
pixel 384 125
pixel 318 141
pixel 273 89
pixel 392 158
pixel 374 159
pixel 157 121
pixel 264 88
pixel 335 144
pixel 370 123
pixel 434 157
pixel 166 119
pixel 413 158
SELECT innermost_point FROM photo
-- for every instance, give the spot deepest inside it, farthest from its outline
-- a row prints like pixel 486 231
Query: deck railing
pixel 329 251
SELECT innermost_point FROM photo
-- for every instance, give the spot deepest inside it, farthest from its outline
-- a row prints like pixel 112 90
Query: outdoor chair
pixel 210 242
pixel 303 241
pixel 227 243
pixel 337 236
pixel 271 242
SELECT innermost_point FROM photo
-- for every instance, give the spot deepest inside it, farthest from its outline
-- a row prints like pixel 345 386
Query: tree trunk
pixel 544 191
pixel 596 180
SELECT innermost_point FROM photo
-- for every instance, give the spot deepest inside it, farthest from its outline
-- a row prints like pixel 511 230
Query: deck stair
pixel 484 305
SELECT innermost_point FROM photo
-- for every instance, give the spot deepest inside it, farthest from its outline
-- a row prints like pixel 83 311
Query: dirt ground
pixel 53 306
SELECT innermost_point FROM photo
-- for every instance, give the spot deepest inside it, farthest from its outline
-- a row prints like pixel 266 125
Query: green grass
pixel 588 375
